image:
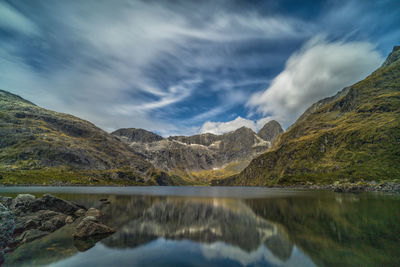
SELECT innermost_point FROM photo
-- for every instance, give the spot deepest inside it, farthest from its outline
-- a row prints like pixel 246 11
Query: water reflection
pixel 295 230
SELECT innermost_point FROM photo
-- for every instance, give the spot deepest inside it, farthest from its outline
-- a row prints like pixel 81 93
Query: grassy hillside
pixel 352 136
pixel 38 146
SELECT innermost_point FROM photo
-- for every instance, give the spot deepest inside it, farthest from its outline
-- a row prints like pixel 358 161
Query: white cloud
pixel 11 19
pixel 318 70
pixel 111 79
pixel 224 127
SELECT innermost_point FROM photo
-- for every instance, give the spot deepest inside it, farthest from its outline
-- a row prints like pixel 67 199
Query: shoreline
pixel 384 187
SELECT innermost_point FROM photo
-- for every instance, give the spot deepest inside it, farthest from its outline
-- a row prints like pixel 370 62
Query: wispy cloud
pixel 171 66
pixel 12 19
pixel 113 61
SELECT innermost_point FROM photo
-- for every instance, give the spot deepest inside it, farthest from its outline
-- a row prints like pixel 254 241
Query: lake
pixel 222 226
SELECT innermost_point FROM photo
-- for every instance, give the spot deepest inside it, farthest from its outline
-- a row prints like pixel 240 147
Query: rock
pixel 80 213
pixel 38 220
pixel 89 228
pixel 69 220
pixel 22 202
pixel 59 205
pixel 6 201
pixel 93 212
pixel 54 223
pixel 137 135
pixel 270 131
pixel 6 226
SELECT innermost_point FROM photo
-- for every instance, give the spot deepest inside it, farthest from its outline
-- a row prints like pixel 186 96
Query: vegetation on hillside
pixel 353 136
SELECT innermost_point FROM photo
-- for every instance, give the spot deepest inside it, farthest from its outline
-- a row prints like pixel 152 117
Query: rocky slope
pixel 270 131
pixel 352 136
pixel 202 151
pixel 137 135
pixel 42 146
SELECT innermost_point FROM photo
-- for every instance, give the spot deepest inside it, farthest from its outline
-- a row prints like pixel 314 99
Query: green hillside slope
pixel 352 136
pixel 38 146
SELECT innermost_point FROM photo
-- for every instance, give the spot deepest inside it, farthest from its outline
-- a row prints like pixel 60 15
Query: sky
pixel 188 67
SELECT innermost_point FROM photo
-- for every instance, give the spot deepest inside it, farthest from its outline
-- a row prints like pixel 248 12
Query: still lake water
pixel 222 226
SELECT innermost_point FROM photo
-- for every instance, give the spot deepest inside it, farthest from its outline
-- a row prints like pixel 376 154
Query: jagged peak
pixel 393 56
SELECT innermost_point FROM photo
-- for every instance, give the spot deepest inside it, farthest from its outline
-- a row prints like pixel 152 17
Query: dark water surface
pixel 222 226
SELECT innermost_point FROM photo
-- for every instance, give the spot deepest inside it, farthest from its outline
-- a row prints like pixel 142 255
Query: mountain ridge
pixel 201 151
pixel 61 148
pixel 349 137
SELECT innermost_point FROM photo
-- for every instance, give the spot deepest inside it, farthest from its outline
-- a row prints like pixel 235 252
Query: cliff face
pixel 270 131
pixel 202 151
pixel 352 136
pixel 137 135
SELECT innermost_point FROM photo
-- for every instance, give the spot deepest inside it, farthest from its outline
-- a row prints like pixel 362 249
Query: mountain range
pixel 349 137
pixel 39 146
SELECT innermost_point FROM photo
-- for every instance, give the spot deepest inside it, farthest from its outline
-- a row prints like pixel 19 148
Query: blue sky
pixel 185 67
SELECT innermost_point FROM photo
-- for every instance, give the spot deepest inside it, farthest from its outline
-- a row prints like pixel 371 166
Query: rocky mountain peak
pixel 137 135
pixel 270 131
pixel 393 57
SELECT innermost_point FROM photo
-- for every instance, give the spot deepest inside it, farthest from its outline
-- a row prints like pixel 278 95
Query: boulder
pixel 54 223
pixel 25 203
pixel 22 203
pixel 89 227
pixel 6 226
pixel 53 203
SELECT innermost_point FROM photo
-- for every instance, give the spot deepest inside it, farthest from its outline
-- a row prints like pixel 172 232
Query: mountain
pixel 270 130
pixel 43 146
pixel 352 136
pixel 199 152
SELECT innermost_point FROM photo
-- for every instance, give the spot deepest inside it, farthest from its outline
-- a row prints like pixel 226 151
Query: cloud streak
pixel 170 67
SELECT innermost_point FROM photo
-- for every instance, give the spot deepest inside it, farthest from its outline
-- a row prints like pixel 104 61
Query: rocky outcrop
pixel 6 227
pixel 37 217
pixel 270 131
pixel 137 135
pixel 30 218
pixel 393 57
pixel 202 151
pixel 27 204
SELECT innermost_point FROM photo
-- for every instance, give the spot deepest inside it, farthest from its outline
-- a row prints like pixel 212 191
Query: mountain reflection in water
pixel 297 230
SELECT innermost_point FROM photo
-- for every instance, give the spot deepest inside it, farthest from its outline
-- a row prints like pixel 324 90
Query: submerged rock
pixel 30 235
